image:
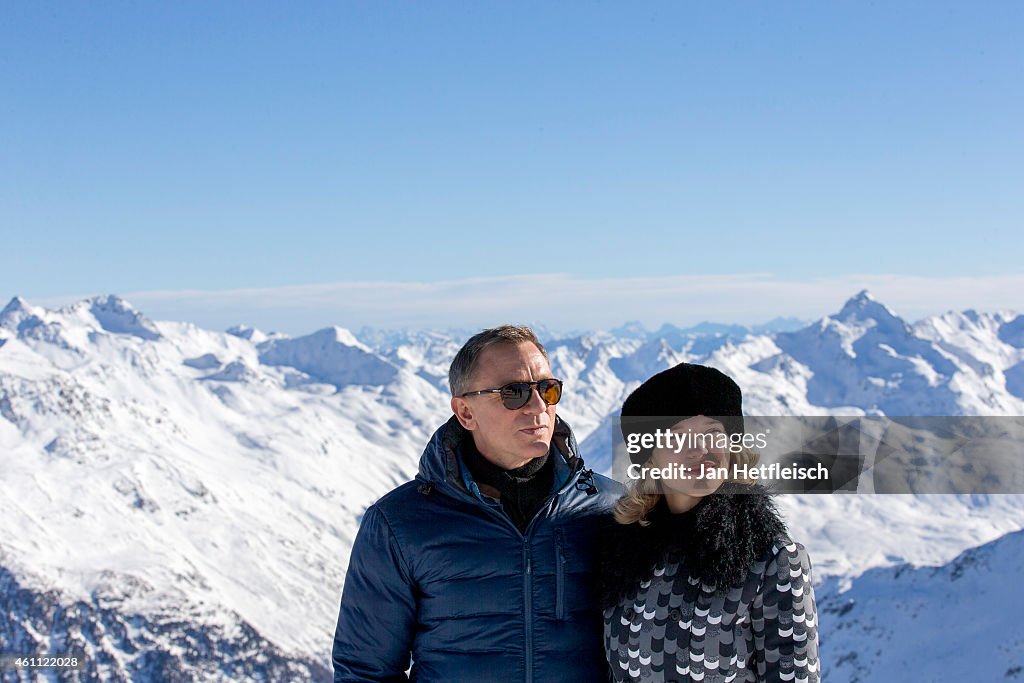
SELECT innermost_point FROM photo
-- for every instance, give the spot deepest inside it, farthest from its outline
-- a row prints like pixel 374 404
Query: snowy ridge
pixel 226 471
pixel 159 645
pixel 332 356
pixel 956 622
pixel 235 484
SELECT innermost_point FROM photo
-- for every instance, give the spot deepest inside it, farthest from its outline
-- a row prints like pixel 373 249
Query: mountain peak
pixel 630 328
pixel 16 310
pixel 252 334
pixel 863 295
pixel 343 336
pixel 331 355
pixel 863 307
pixel 15 304
pixel 116 315
pixel 111 302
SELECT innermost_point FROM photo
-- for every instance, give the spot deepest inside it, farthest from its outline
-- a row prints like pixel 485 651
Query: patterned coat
pixel 719 594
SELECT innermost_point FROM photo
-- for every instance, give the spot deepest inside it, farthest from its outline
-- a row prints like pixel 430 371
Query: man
pixel 481 568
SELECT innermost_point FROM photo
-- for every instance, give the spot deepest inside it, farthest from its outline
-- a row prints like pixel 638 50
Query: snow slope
pixel 178 486
pixel 955 622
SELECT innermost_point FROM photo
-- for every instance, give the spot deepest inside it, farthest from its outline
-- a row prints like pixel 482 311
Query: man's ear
pixel 464 412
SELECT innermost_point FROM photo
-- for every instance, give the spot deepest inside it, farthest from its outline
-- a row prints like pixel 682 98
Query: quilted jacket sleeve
pixel 378 608
pixel 785 620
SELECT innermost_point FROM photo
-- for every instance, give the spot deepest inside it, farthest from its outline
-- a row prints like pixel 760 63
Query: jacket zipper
pixel 528 609
pixel 528 574
pixel 559 574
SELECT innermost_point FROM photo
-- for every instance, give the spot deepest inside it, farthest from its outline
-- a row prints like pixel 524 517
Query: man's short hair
pixel 464 365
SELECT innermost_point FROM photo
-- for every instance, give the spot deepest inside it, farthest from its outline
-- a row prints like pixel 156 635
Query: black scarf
pixel 523 489
pixel 716 541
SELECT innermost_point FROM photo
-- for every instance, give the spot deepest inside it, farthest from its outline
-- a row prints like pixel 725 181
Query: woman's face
pixel 699 445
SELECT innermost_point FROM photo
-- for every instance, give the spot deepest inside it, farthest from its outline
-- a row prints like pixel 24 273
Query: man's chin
pixel 537 446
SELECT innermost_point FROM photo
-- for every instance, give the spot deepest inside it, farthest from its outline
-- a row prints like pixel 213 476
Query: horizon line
pixel 558 301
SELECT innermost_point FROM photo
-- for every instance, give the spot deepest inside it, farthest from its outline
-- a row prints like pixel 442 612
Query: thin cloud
pixel 560 301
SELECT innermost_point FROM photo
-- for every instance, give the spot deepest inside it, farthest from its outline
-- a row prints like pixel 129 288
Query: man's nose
pixel 536 404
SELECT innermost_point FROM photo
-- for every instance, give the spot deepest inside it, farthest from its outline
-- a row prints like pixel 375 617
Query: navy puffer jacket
pixel 440 572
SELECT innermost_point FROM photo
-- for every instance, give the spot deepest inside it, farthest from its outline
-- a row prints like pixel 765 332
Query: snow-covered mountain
pixel 955 622
pixel 170 491
pixel 168 470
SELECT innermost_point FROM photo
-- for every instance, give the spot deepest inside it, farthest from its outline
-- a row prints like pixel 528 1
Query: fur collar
pixel 717 541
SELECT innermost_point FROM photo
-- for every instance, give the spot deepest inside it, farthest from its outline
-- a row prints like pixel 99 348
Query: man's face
pixel 508 438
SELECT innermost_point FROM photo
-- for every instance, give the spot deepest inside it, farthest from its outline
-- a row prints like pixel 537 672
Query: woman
pixel 700 580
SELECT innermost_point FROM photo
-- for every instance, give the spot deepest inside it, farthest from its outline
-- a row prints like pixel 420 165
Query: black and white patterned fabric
pixel 673 626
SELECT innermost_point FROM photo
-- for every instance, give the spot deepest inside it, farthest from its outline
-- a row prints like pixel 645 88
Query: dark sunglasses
pixel 517 394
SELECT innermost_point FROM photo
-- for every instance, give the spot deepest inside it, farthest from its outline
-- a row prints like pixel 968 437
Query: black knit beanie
pixel 683 391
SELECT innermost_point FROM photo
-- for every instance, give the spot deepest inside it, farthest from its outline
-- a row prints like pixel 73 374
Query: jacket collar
pixel 440 462
pixel 717 541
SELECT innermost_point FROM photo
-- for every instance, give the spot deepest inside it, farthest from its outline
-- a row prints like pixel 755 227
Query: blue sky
pixel 187 153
